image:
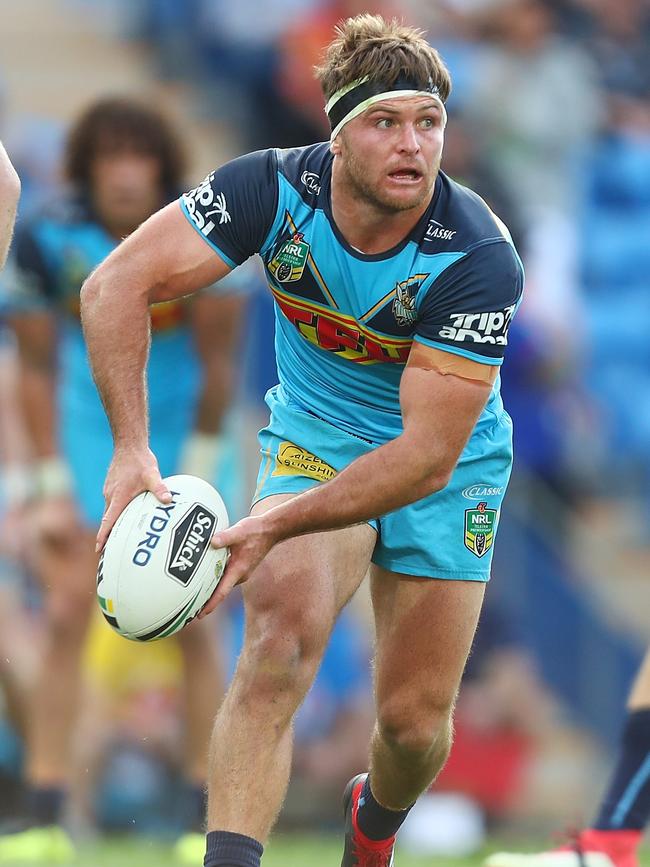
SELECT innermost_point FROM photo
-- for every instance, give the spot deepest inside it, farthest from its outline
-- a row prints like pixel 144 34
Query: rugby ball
pixel 158 569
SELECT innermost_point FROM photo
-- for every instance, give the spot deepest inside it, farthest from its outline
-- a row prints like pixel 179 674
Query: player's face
pixel 391 153
pixel 126 187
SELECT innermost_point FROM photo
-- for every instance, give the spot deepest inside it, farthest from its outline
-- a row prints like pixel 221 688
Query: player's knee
pixel 415 727
pixel 283 657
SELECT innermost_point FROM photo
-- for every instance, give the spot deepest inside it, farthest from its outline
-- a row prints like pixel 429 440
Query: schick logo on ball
pixel 189 543
pixel 159 520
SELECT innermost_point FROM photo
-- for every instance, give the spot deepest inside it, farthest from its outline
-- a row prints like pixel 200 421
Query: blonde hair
pixel 369 46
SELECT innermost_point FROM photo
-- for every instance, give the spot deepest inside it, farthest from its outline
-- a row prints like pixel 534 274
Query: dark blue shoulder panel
pixel 469 307
pixel 234 207
pixel 305 169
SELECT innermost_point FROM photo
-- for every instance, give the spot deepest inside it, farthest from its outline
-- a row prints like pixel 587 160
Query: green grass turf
pixel 284 851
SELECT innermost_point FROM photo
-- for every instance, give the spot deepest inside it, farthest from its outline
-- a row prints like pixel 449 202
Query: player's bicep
pixel 439 409
pixel 166 257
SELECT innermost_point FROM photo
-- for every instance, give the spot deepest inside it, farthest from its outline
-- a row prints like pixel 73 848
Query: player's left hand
pixel 248 541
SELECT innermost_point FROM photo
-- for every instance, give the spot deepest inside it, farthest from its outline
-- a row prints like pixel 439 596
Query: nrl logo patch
pixel 404 309
pixel 480 524
pixel 289 262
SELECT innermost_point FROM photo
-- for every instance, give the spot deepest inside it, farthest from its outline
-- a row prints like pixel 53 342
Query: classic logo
pixel 311 181
pixel 189 543
pixel 480 524
pixel 293 460
pixel 490 327
pixel 404 309
pixel 289 262
pixel 480 492
pixel 437 230
pixel 197 202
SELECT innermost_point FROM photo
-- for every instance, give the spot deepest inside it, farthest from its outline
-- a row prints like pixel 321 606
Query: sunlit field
pixel 285 851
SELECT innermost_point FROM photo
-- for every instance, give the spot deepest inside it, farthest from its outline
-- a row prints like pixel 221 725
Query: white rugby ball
pixel 158 569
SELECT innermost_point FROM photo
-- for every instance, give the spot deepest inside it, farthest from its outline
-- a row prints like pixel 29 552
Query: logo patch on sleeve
pixel 480 525
pixel 489 327
pixel 293 460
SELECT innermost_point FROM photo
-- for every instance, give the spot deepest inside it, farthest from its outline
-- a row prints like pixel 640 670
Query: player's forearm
pixel 389 477
pixel 116 327
pixel 9 195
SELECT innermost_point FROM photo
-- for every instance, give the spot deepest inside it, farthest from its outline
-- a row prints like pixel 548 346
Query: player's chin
pixel 404 200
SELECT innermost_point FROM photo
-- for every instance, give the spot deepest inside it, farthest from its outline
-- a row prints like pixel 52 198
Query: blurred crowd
pixel 550 123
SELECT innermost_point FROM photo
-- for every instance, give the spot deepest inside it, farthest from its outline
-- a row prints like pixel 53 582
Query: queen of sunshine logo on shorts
pixel 480 524
pixel 289 262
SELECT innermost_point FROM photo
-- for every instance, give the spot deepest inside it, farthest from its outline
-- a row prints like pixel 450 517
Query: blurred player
pixel 614 838
pixel 394 289
pixel 9 194
pixel 123 162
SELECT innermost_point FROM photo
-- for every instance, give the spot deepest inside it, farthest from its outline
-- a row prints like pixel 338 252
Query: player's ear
pixel 335 146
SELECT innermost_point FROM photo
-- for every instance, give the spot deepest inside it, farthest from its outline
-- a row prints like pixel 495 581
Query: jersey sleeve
pixel 27 284
pixel 234 207
pixel 468 309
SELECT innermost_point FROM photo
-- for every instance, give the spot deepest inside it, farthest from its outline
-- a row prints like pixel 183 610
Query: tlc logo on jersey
pixel 341 334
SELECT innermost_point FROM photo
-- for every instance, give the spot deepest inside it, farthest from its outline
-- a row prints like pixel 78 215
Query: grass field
pixel 287 851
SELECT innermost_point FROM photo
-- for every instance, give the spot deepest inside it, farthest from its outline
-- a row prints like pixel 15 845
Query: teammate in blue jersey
pixel 9 193
pixel 387 446
pixel 124 161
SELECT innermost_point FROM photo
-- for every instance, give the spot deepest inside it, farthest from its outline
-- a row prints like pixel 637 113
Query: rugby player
pixel 615 836
pixel 9 195
pixel 124 161
pixel 387 446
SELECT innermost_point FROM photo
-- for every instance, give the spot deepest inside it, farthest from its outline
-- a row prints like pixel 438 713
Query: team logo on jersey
pixel 490 327
pixel 404 304
pixel 480 525
pixel 289 262
pixel 293 460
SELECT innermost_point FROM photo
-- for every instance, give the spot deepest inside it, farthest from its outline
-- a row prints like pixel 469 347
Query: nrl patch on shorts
pixel 480 524
pixel 293 460
pixel 289 262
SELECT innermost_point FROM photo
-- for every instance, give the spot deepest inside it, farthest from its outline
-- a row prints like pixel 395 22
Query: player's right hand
pixel 131 472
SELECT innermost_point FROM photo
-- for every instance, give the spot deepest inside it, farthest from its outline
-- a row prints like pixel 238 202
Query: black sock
pixel 45 805
pixel 375 821
pixel 224 849
pixel 627 802
pixel 197 802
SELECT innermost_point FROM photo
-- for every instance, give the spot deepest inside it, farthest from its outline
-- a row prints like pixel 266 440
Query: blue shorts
pixel 449 534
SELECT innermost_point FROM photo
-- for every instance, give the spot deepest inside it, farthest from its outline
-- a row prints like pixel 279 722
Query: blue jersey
pixel 53 254
pixel 345 321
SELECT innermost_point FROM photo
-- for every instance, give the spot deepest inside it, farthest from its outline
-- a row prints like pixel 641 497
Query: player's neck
pixel 368 228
